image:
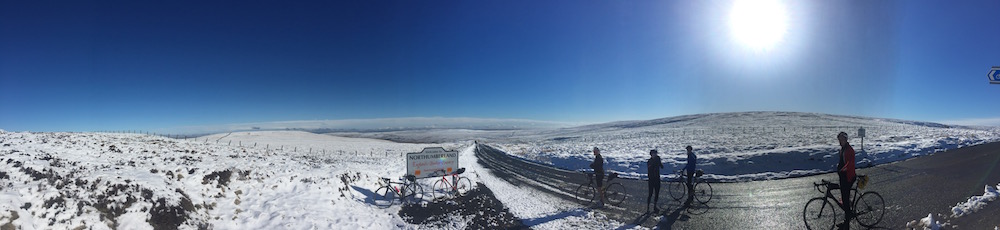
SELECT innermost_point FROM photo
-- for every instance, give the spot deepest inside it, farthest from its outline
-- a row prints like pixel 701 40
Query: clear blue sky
pixel 104 65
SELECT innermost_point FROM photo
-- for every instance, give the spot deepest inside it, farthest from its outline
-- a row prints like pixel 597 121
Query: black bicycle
pixel 614 192
pixel 821 212
pixel 387 194
pixel 702 189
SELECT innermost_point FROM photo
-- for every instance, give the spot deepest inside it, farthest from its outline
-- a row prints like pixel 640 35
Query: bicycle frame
pixel 454 181
pixel 866 208
pixel 590 180
pixel 829 195
pixel 396 189
pixel 457 185
pixel 682 177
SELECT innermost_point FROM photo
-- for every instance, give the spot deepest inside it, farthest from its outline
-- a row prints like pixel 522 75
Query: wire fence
pixel 294 149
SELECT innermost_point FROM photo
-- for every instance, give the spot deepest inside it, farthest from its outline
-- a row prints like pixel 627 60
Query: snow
pixel 69 180
pixel 538 210
pixel 973 204
pixel 976 203
pixel 926 223
pixel 740 146
pixel 291 179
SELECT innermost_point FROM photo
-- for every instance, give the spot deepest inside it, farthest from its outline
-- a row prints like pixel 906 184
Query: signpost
pixel 431 162
pixel 994 75
pixel 861 133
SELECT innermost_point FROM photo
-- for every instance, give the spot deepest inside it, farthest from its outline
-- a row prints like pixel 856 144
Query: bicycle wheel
pixel 416 192
pixel 677 190
pixel 384 197
pixel 586 193
pixel 703 192
pixel 869 209
pixel 464 185
pixel 819 213
pixel 441 189
pixel 615 193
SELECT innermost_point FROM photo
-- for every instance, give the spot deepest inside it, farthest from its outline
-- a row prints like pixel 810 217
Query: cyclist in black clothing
pixel 598 166
pixel 690 168
pixel 653 167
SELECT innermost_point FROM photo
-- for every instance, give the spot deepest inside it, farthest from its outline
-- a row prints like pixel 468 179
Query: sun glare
pixel 757 24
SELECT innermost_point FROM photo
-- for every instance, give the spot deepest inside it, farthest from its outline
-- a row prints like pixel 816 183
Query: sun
pixel 758 24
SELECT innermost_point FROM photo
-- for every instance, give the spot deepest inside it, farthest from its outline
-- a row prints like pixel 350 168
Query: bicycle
pixel 387 194
pixel 458 184
pixel 702 189
pixel 614 192
pixel 820 212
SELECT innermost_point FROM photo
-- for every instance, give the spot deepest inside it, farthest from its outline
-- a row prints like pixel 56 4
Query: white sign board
pixel 432 161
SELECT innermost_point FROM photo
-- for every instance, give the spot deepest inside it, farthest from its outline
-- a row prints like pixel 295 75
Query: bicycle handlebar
pixel 823 183
pixel 442 172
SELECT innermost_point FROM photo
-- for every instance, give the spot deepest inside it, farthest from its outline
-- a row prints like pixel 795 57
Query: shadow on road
pixel 541 220
pixel 681 212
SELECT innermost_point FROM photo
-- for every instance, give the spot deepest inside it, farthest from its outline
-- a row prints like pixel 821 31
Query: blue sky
pixel 106 65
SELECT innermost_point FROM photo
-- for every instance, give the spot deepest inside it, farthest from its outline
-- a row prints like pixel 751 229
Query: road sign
pixel 861 133
pixel 994 75
pixel 430 162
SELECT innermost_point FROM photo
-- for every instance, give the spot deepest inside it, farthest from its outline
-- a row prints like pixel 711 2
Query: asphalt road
pixel 912 189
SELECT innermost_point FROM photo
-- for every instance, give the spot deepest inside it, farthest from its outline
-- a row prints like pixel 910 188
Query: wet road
pixel 911 189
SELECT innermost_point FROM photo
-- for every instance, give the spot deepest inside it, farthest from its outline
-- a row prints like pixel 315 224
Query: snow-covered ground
pixel 740 146
pixel 537 209
pixel 290 180
pixel 134 181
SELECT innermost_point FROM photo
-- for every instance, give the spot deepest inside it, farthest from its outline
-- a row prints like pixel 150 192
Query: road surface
pixel 912 189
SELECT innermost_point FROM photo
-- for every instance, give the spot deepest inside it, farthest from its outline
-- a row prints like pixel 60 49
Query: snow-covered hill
pixel 134 181
pixel 741 146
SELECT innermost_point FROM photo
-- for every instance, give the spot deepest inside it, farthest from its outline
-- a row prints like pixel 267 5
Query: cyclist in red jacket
pixel 845 170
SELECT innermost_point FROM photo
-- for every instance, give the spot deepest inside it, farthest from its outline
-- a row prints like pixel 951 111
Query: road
pixel 911 189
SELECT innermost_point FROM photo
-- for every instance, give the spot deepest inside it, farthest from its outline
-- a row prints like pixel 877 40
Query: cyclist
pixel 845 171
pixel 691 161
pixel 653 167
pixel 598 166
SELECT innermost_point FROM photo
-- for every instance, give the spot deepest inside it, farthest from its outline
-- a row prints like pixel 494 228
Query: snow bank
pixel 976 203
pixel 926 223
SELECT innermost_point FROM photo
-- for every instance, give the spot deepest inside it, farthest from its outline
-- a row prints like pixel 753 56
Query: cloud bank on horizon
pixel 378 124
pixel 995 121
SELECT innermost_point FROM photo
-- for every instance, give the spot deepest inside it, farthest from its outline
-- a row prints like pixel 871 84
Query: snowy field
pixel 740 146
pixel 290 180
pixel 134 181
pixel 300 180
